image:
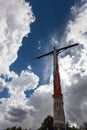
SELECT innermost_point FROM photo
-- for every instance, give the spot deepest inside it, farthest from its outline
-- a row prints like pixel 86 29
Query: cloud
pixel 73 66
pixel 15 109
pixel 16 114
pixel 21 111
pixel 42 103
pixel 18 85
pixel 2 84
pixel 15 21
pixel 75 101
pixel 77 29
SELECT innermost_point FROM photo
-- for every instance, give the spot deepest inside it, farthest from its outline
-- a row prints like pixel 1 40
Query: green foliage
pixel 47 124
pixel 14 128
pixel 68 127
pixel 7 129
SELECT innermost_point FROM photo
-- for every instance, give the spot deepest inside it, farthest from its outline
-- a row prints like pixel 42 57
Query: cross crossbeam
pixel 57 50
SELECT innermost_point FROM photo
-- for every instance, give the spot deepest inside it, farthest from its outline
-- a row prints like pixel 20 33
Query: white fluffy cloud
pixel 16 109
pixel 15 20
pixel 2 84
pixel 21 111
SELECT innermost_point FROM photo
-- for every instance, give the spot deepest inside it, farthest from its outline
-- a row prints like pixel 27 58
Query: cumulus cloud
pixel 75 101
pixel 2 84
pixel 15 109
pixel 73 66
pixel 15 20
pixel 17 114
pixel 23 111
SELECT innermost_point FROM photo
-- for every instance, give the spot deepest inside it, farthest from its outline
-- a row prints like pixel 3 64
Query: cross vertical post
pixel 58 109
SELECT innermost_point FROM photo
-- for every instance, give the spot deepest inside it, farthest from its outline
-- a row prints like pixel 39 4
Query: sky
pixel 29 29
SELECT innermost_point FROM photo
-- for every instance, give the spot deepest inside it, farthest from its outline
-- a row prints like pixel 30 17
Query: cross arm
pixel 44 55
pixel 58 50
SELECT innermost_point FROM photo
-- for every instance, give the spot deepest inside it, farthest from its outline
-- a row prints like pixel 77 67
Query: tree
pixel 14 128
pixel 47 124
pixel 19 128
pixel 68 127
pixel 7 128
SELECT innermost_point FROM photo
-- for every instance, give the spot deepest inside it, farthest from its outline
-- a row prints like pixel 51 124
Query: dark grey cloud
pixel 16 114
pixel 76 100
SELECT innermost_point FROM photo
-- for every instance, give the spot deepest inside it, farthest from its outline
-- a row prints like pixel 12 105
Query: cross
pixel 55 52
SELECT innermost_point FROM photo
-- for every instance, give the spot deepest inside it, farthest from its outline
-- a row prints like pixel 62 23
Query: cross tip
pixel 77 43
pixel 54 47
pixel 37 57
